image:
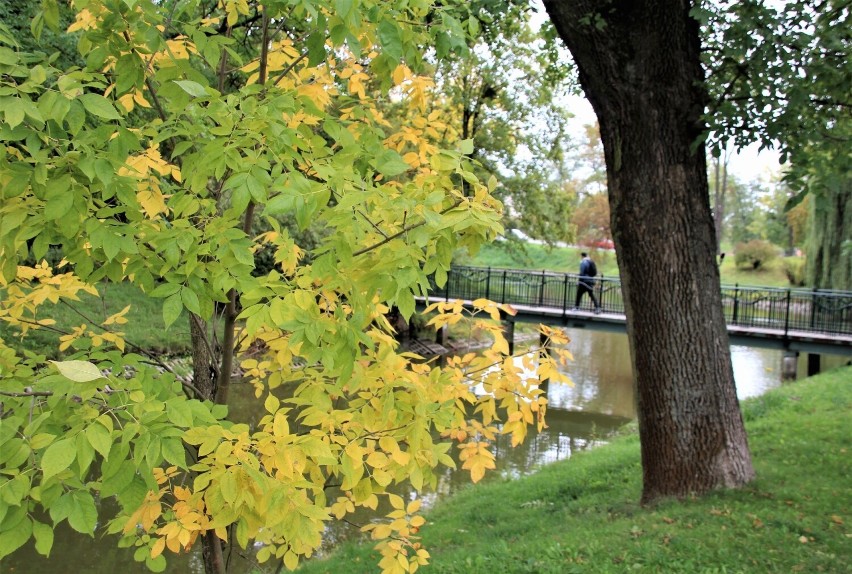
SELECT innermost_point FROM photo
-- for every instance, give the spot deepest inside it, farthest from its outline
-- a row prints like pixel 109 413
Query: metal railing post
pixel 813 308
pixel 565 295
pixel 600 292
pixel 488 283
pixel 447 287
pixel 736 302
pixel 503 294
pixel 541 289
pixel 787 316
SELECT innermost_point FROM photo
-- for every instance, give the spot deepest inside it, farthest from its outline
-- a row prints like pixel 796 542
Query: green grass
pixel 582 515
pixel 145 326
pixel 531 256
pixel 567 259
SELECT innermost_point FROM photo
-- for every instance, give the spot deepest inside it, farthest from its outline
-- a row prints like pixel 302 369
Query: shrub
pixel 794 269
pixel 754 254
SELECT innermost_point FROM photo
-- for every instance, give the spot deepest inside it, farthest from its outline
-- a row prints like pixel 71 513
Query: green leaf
pixel 85 455
pixel 316 48
pixel 172 450
pixel 157 564
pixel 466 147
pixel 84 513
pixel 406 304
pixel 43 535
pixel 15 537
pixel 51 14
pixel 165 289
pixel 58 457
pixel 342 8
pixel 179 412
pixel 280 205
pixel 14 111
pixel 228 487
pixel 99 106
pixel 190 300
pixel 390 39
pixel 12 492
pixel 192 88
pixel 116 482
pixel 172 307
pixel 99 438
pixel 78 371
pixel 391 163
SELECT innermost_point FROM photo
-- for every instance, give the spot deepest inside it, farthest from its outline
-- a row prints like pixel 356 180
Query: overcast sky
pixel 748 165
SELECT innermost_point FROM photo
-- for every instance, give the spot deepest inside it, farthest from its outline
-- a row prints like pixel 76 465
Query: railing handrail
pixel 617 279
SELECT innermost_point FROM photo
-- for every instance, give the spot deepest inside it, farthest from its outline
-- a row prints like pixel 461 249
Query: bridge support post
pixel 441 335
pixel 813 364
pixel 789 365
pixel 509 333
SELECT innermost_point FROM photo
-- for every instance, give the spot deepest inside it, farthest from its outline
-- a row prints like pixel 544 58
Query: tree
pixel 189 121
pixel 640 66
pixel 779 74
pixel 720 191
pixel 505 95
pixel 592 219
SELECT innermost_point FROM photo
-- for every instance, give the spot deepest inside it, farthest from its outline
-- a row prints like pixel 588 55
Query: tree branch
pixel 402 232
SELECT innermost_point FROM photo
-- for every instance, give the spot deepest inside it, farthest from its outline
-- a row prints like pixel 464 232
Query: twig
pixel 28 394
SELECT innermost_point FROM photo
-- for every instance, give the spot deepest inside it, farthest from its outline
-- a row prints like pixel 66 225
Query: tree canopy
pixel 151 160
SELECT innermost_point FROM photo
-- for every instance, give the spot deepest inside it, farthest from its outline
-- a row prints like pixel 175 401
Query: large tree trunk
pixel 639 66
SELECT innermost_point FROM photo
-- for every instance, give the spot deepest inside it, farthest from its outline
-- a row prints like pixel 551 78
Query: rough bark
pixel 639 65
pixel 829 246
pixel 204 379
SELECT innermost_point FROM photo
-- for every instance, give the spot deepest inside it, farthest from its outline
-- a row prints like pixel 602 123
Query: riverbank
pixel 582 514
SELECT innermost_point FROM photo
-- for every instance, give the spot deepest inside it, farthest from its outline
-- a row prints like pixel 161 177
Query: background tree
pixel 780 74
pixel 505 95
pixel 690 426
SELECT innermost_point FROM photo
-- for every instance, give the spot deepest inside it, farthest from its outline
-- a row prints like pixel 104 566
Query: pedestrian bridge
pixel 801 320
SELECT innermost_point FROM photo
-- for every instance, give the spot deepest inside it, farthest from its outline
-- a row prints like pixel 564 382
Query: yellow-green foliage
pixel 148 166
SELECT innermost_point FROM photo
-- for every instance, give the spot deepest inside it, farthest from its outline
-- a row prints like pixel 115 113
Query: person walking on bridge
pixel 586 284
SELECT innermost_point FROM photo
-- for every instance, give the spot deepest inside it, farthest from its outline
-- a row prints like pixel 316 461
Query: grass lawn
pixel 144 328
pixel 567 259
pixel 582 514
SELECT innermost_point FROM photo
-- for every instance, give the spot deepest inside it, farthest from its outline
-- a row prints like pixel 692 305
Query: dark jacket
pixel 585 264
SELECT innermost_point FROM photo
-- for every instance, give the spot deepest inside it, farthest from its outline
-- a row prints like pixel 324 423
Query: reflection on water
pixel 578 417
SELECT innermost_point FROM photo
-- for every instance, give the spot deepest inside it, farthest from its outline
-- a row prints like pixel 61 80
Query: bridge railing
pixel 813 311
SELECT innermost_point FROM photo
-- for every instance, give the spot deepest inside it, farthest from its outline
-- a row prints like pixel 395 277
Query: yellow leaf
pixel 78 371
pixel 158 547
pixel 396 501
pixel 413 506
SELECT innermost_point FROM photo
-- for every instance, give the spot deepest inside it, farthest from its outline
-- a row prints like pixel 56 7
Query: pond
pixel 578 417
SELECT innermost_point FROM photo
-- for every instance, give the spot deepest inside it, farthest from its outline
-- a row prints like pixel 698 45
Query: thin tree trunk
pixel 720 188
pixel 639 65
pixel 203 359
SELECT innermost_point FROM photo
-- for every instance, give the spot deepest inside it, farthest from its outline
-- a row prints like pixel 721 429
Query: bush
pixel 755 254
pixel 794 269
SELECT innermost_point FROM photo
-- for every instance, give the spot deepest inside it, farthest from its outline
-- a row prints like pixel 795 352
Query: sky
pixel 748 165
